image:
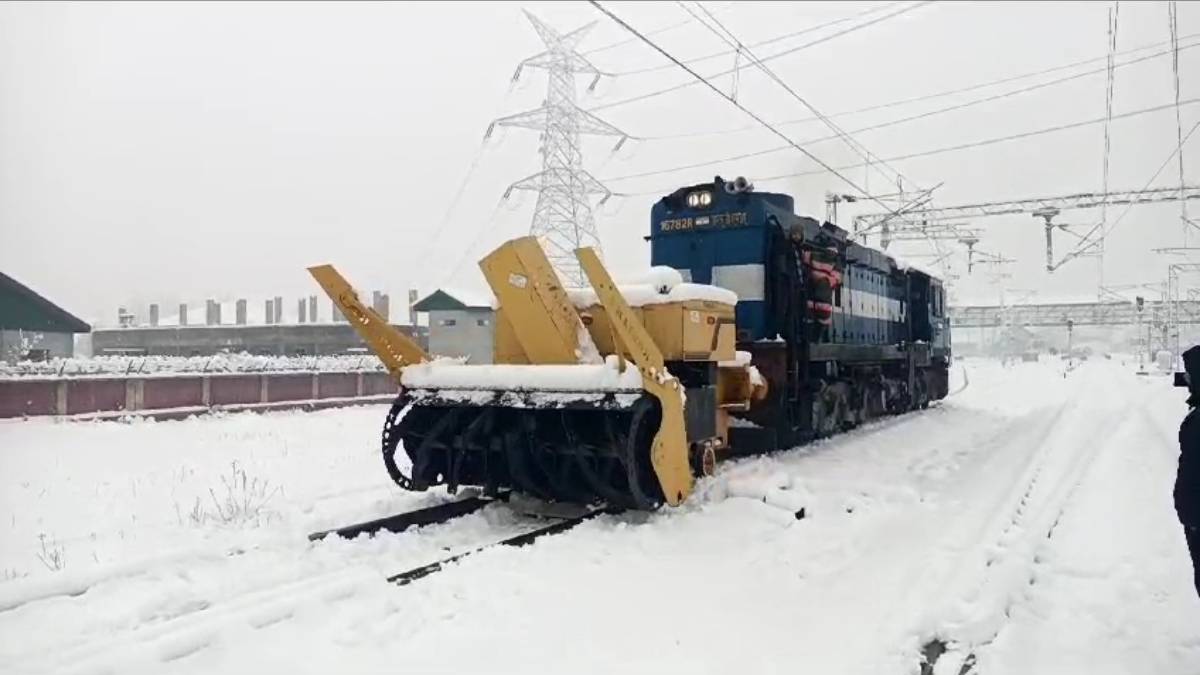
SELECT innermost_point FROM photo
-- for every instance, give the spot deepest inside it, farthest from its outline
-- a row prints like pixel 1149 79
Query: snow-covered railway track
pixel 430 515
pixel 442 513
pixel 408 576
pixel 192 626
pixel 18 595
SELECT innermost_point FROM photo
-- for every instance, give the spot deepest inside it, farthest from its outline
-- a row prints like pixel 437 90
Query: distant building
pixel 237 326
pixel 305 339
pixel 32 327
pixel 460 324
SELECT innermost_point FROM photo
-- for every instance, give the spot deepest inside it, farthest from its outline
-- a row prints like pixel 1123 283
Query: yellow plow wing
pixel 669 452
pixel 394 348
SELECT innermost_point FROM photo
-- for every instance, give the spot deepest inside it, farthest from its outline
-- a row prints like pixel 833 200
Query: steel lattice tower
pixel 562 218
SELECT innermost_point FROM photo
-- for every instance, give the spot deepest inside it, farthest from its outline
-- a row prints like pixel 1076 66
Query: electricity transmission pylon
pixel 562 218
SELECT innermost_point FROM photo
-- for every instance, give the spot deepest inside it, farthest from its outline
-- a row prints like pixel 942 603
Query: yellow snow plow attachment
pixel 604 394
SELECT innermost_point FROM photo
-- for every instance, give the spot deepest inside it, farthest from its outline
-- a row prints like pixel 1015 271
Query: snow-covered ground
pixel 1026 521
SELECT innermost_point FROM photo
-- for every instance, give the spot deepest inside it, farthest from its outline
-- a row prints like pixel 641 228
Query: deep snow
pixel 1027 521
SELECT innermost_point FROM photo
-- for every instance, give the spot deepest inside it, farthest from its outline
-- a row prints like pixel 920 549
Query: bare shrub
pixel 52 553
pixel 243 498
pixel 196 516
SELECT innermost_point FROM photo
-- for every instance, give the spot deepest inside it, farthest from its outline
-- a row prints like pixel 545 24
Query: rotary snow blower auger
pixel 612 395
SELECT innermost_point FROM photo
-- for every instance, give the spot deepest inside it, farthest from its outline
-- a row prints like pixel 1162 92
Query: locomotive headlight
pixel 699 199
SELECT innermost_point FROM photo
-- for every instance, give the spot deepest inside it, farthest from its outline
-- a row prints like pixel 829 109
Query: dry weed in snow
pixel 52 554
pixel 244 499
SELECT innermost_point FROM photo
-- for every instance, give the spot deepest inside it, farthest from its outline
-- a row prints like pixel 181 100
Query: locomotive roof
pixel 814 230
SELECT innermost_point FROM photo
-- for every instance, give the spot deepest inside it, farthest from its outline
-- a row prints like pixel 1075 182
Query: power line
pixel 760 43
pixel 893 122
pixel 683 85
pixel 433 241
pixel 739 106
pixel 622 43
pixel 955 148
pixel 628 40
pixel 948 92
pixel 852 143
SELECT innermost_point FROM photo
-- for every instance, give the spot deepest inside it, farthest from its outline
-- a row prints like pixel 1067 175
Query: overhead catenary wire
pixel 946 92
pixel 1113 19
pixel 889 123
pixel 955 148
pixel 1002 139
pixel 1085 246
pixel 1173 29
pixel 792 50
pixel 733 102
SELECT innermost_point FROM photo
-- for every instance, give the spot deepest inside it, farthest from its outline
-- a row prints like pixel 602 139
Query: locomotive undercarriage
pixel 861 394
pixel 834 396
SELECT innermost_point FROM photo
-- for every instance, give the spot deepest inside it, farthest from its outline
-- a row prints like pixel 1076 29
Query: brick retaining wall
pixel 29 397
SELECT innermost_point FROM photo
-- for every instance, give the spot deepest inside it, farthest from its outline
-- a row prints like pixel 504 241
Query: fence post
pixel 134 393
pixel 60 397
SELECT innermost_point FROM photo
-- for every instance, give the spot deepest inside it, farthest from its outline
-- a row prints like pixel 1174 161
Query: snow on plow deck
pixel 583 378
pixel 661 285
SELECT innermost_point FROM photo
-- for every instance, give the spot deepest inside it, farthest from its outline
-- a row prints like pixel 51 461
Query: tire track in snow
pixel 982 498
pixel 193 631
pixel 981 600
pixel 1082 570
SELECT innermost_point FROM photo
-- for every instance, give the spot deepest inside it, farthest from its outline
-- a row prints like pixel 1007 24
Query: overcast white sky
pixel 175 151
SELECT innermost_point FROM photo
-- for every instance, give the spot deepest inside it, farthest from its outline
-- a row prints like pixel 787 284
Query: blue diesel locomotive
pixel 841 332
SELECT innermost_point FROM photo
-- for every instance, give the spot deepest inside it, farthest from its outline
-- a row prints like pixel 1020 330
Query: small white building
pixel 460 324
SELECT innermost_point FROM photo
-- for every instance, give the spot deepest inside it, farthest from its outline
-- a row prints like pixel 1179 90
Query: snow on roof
pixel 919 266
